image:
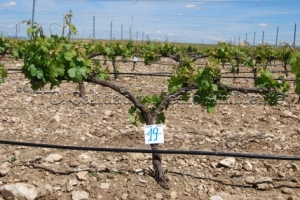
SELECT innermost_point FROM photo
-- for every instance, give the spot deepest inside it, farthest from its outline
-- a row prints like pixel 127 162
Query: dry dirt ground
pixel 63 118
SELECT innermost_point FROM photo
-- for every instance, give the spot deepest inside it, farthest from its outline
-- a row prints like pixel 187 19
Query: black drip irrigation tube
pixel 209 153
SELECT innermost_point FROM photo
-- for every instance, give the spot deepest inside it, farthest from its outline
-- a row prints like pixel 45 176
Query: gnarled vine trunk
pixel 150 120
pixel 157 158
pixel 115 68
pixel 81 89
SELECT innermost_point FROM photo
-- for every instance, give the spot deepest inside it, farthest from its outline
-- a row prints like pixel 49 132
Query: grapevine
pixel 50 60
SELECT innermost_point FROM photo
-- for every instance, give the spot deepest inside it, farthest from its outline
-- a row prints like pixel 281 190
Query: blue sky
pixel 202 21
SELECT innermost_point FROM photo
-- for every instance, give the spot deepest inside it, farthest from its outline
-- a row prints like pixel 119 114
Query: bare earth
pixel 68 174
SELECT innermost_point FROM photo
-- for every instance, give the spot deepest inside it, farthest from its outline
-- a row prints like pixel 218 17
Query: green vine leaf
pixel 83 72
pixel 210 109
pixel 161 118
pixel 33 70
pixel 72 72
pixel 297 89
pixel 186 96
pixel 60 70
pixel 3 73
pixel 70 55
pixel 131 111
pixel 40 74
pixel 295 63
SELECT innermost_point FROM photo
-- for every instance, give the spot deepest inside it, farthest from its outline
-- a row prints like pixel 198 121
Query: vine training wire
pixel 163 74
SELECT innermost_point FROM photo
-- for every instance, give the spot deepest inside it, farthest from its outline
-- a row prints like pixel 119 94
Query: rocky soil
pixel 63 118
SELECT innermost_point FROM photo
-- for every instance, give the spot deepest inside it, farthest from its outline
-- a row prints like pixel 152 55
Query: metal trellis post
pixel 254 40
pixel 94 27
pixel 277 35
pixel 33 10
pixel 295 35
pixel 111 31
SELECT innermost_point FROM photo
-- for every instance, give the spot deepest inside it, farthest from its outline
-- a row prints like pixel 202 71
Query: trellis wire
pixel 166 74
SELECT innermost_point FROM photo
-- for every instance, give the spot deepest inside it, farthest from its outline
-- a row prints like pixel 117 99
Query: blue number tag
pixel 154 134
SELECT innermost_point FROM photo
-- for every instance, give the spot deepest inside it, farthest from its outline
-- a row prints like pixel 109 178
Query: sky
pixel 194 21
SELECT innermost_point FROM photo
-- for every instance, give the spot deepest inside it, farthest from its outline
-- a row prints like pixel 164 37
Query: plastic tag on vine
pixel 154 134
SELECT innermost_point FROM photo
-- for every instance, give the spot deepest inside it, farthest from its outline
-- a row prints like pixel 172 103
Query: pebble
pixel 104 185
pixel 124 196
pixel 73 182
pixel 287 191
pixel 263 180
pixel 216 197
pixel 211 191
pixel 250 179
pixel 292 198
pixel 158 196
pixel 82 175
pixel 54 158
pixel 139 171
pixel 70 188
pixel 295 167
pixel 80 195
pixel 137 156
pixel 28 99
pixel 281 174
pixel 19 191
pixel 49 188
pixel 142 181
pixel 264 183
pixel 288 114
pixel 15 119
pixel 56 117
pixel 264 186
pixel 84 158
pixel 107 112
pixel 173 195
pixel 247 166
pixel 277 147
pixel 228 162
pixel 5 168
pixel 214 165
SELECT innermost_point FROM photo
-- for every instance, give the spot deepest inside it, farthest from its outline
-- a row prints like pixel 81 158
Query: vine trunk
pixel 157 158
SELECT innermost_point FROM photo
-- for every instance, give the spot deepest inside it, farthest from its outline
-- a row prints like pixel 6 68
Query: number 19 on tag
pixel 154 134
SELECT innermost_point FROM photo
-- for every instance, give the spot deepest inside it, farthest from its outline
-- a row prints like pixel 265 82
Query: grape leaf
pixel 72 72
pixel 69 55
pixel 33 70
pixel 82 71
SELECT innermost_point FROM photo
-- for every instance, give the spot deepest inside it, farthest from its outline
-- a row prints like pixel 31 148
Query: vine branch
pixel 121 90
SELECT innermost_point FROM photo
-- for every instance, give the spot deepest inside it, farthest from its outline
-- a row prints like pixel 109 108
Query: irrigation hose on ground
pixel 209 153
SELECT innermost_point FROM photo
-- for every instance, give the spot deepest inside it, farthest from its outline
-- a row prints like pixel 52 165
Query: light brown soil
pixel 259 129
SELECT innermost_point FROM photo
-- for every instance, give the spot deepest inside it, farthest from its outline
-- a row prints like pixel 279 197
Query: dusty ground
pixel 32 117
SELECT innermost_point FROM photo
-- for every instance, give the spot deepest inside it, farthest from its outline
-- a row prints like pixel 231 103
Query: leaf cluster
pixel 3 72
pixel 208 91
pixel 266 80
pixel 151 102
pixel 53 59
pixel 295 65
